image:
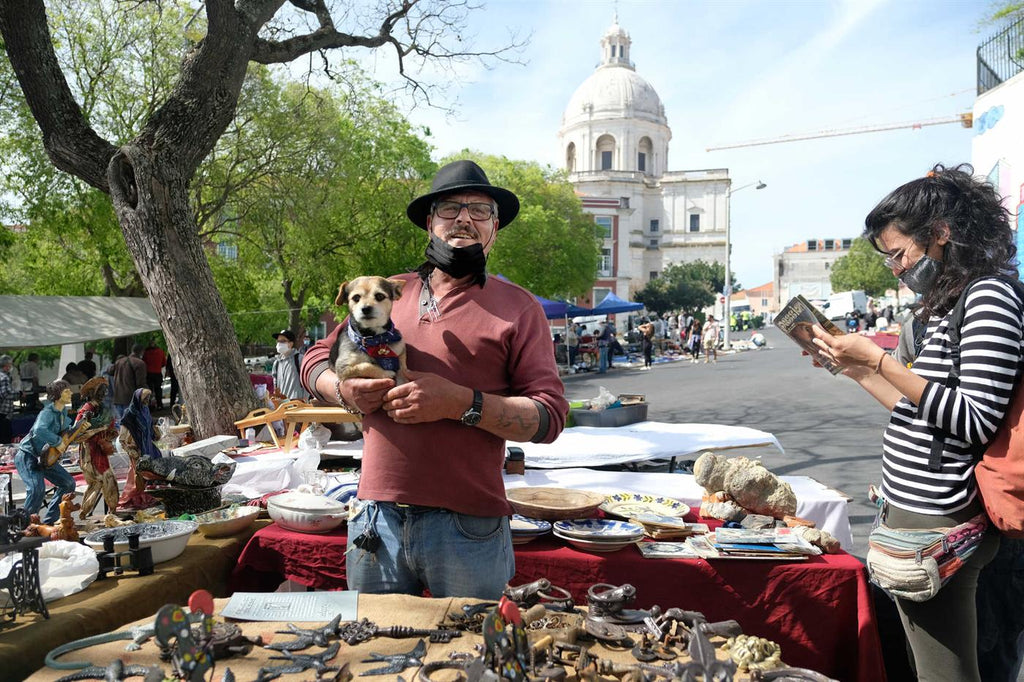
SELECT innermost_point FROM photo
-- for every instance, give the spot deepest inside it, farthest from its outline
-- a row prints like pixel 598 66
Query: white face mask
pixel 282 346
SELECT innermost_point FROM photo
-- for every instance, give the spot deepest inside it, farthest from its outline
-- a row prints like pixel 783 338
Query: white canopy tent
pixel 32 321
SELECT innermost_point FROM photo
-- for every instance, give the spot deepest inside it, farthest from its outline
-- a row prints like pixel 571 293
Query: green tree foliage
pixel 684 286
pixel 310 187
pixel 862 268
pixel 552 248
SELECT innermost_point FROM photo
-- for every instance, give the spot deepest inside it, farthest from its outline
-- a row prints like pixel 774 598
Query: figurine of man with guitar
pixel 39 452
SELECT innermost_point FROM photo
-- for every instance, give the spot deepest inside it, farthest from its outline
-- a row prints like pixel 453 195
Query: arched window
pixel 605 152
pixel 645 155
pixel 570 157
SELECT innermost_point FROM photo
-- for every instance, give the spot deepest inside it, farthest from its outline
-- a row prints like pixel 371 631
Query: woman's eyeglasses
pixel 894 261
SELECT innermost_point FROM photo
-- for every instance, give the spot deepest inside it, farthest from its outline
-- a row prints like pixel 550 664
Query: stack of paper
pixel 661 527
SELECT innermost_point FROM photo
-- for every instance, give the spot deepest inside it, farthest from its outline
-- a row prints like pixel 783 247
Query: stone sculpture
pixel 747 482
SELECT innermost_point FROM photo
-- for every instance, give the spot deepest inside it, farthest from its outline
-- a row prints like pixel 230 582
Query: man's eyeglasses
pixel 478 210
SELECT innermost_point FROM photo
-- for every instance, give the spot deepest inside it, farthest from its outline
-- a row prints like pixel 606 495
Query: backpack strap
pixel 956 320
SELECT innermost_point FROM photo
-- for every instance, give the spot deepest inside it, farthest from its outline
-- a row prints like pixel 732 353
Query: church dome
pixel 614 90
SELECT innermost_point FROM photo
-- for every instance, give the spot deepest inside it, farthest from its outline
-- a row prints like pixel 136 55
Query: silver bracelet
pixel 341 401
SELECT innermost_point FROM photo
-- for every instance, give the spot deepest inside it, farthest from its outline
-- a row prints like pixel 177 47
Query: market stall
pixel 107 604
pixel 819 610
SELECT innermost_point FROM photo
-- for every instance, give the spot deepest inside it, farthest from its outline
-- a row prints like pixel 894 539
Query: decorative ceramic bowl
pixel 553 504
pixel 306 512
pixel 167 539
pixel 223 522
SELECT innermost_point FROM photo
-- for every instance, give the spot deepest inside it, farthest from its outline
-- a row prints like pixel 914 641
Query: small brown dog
pixel 370 347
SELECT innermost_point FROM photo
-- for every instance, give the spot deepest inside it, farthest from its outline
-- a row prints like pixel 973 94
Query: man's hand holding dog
pixel 426 397
pixel 366 395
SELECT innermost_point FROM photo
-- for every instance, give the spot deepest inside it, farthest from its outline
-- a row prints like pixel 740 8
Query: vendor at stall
pixel 433 509
pixel 47 431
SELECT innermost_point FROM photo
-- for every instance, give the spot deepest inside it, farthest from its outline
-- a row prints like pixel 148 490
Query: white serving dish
pixel 223 522
pixel 166 539
pixel 306 512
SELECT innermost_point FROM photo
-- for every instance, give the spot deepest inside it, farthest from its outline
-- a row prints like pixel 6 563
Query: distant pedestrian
pixel 572 343
pixel 155 359
pixel 694 341
pixel 710 333
pixel 88 365
pixel 286 367
pixel 29 374
pixel 647 342
pixel 6 398
pixel 169 369
pixel 129 375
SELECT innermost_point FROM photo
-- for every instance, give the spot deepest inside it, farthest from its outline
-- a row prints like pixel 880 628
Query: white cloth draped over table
pixel 814 501
pixel 592 446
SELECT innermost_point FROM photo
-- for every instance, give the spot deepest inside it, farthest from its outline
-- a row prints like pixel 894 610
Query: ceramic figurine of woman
pixel 51 424
pixel 96 450
pixel 136 437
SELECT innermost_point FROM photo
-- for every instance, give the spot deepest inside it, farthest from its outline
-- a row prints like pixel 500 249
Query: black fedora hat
pixel 463 176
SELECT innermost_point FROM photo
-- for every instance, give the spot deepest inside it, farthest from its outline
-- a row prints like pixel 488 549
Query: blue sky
pixel 735 71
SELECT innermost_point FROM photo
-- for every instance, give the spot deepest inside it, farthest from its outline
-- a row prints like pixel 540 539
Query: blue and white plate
pixel 522 525
pixel 343 492
pixel 627 505
pixel 598 530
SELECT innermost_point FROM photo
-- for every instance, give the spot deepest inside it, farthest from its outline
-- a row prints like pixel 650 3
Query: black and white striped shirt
pixel 991 351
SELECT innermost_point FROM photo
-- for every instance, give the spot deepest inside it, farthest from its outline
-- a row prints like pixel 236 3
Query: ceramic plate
pixel 627 505
pixel 522 525
pixel 599 530
pixel 592 546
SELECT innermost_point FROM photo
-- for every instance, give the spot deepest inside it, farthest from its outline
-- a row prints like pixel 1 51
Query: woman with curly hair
pixel 942 235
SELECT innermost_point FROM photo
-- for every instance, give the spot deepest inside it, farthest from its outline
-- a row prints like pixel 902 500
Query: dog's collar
pixel 378 346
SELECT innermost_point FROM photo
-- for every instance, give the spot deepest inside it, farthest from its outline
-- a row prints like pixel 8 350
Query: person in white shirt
pixel 710 336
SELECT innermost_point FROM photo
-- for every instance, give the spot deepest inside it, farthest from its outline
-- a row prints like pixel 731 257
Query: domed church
pixel 614 140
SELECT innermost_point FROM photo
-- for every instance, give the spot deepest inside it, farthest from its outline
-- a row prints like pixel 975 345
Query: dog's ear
pixel 396 287
pixel 342 294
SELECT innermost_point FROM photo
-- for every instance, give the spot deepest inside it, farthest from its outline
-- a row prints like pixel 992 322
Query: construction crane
pixel 965 119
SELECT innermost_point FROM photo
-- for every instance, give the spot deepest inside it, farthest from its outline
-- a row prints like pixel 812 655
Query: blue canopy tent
pixel 613 304
pixel 555 309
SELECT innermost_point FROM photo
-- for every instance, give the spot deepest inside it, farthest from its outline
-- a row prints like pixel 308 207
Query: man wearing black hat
pixel 433 510
pixel 286 367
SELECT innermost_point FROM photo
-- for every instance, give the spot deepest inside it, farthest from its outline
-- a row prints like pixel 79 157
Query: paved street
pixel 829 427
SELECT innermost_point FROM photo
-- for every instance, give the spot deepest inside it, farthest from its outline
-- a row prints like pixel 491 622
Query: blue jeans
pixel 35 488
pixel 450 554
pixel 603 359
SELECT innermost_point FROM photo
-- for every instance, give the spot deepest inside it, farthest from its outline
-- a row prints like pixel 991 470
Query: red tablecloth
pixel 819 611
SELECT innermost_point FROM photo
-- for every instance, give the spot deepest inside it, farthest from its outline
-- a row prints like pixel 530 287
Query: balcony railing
pixel 1001 57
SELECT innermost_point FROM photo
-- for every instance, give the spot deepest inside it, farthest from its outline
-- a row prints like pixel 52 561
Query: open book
pixel 797 318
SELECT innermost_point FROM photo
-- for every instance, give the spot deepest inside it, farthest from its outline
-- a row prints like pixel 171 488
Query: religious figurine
pixel 136 437
pixel 39 453
pixel 95 452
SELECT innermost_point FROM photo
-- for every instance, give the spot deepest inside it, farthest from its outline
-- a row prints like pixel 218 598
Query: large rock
pixel 747 482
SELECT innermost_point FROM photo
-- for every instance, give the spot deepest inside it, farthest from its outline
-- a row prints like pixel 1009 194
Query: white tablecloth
pixel 814 501
pixel 591 446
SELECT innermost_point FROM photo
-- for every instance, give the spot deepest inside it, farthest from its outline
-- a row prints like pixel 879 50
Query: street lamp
pixel 726 344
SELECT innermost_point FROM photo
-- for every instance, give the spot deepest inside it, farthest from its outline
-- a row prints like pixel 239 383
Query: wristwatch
pixel 471 417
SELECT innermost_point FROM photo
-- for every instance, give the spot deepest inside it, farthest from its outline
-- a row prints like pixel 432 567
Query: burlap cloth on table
pixel 384 610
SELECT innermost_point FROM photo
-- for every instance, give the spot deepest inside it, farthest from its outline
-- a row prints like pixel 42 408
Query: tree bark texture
pixel 160 232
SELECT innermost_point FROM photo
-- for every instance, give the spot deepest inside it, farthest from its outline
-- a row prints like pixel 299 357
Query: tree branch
pixel 72 145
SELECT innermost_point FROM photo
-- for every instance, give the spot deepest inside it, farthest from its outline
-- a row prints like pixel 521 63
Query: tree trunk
pixel 160 231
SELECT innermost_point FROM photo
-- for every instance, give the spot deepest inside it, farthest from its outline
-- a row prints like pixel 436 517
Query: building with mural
pixel 614 142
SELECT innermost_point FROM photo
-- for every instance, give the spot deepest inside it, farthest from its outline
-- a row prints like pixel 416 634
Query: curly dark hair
pixel 55 388
pixel 981 241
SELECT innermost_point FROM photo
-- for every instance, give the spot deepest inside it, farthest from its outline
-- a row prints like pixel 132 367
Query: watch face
pixel 471 417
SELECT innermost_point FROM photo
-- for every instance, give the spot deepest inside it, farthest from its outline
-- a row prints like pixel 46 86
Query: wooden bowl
pixel 554 504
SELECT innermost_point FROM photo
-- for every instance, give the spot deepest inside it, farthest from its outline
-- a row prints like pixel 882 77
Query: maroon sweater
pixel 494 339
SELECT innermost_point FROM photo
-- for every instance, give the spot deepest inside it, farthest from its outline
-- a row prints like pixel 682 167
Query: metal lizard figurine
pixel 304 638
pixel 115 672
pixel 396 663
pixel 138 636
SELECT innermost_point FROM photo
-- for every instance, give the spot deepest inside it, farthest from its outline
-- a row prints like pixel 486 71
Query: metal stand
pixel 139 560
pixel 22 583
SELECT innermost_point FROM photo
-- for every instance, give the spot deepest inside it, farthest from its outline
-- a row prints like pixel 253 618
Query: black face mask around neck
pixel 458 262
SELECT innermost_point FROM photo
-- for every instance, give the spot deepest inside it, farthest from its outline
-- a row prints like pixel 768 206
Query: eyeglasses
pixel 478 210
pixel 894 262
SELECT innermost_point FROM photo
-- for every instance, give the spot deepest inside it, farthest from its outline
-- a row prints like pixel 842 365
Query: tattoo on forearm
pixel 523 425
